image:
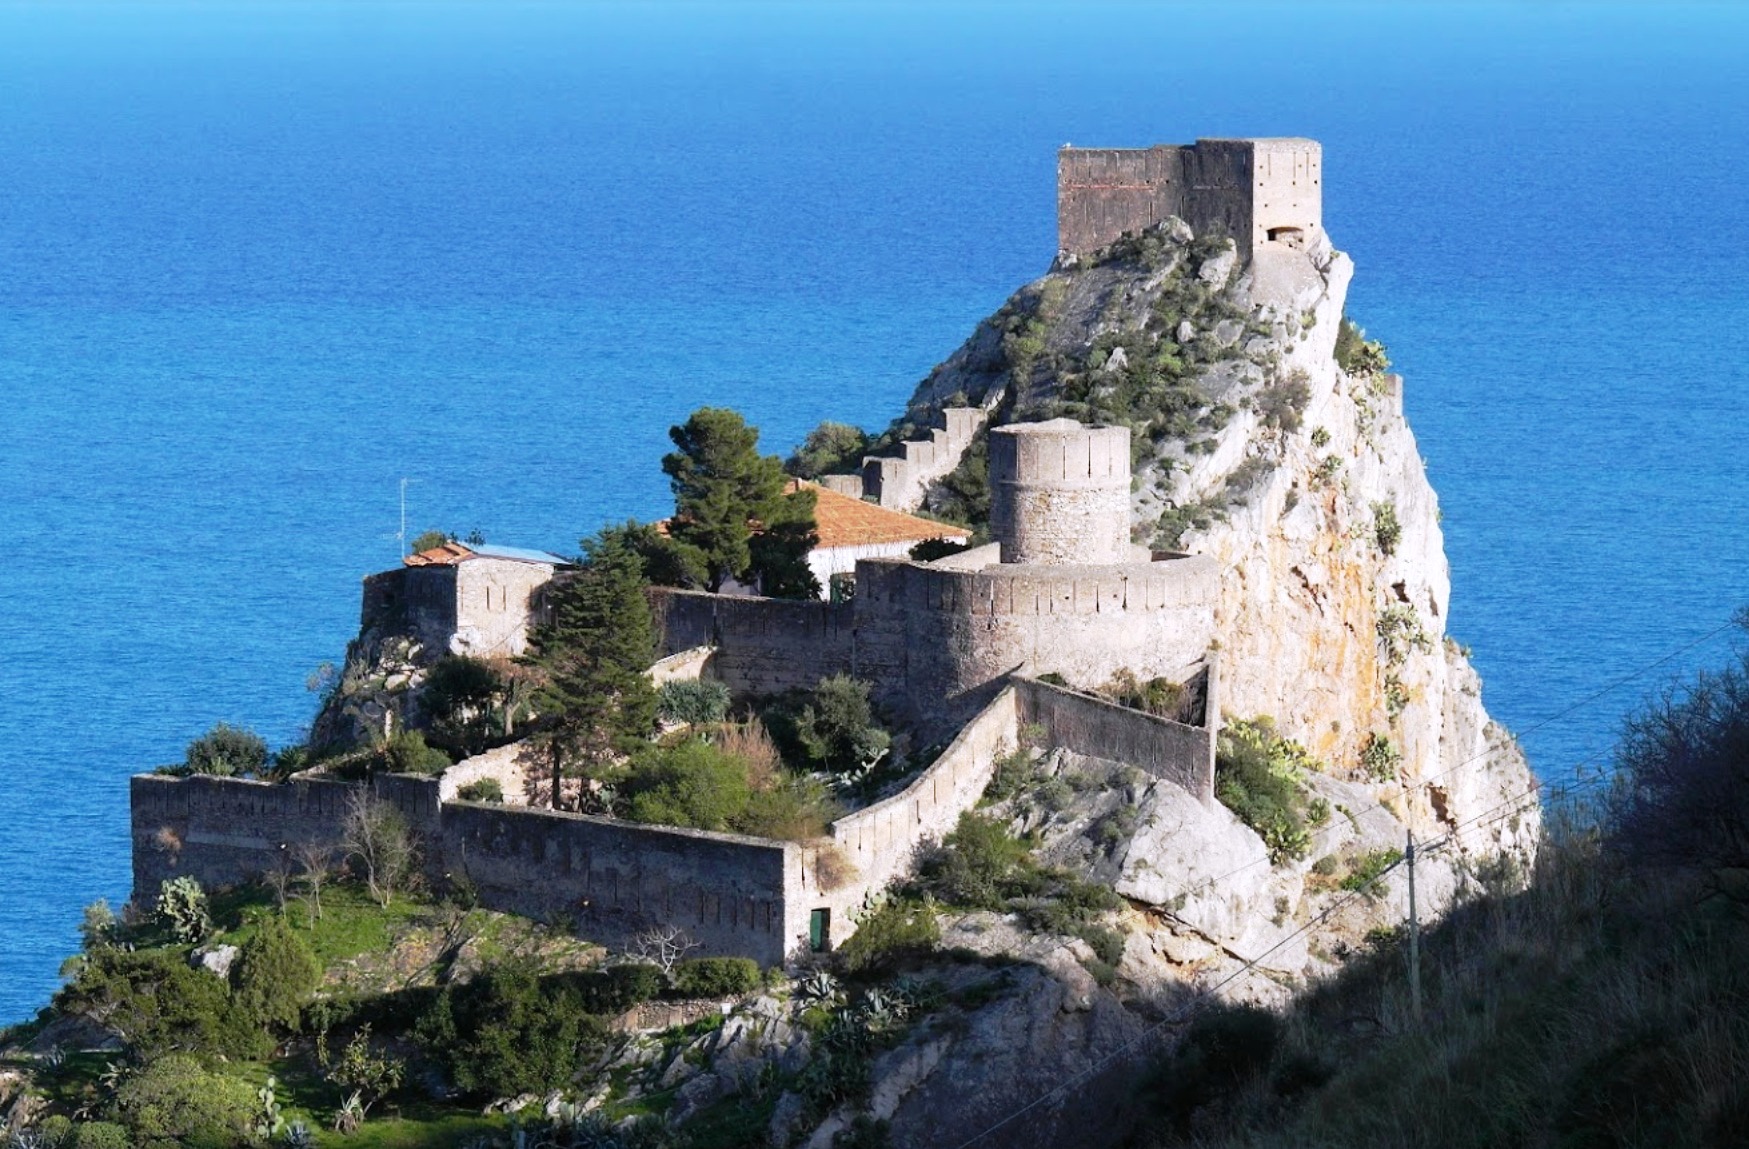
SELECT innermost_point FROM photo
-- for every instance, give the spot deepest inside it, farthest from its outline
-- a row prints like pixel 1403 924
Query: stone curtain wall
pixel 415 601
pixel 1104 192
pixel 764 645
pixel 882 840
pixel 222 831
pixel 1177 753
pixel 612 879
pixel 507 765
pixel 1241 187
pixel 615 879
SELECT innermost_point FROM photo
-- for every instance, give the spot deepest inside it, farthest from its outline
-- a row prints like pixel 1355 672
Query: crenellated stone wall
pixel 899 482
pixel 763 645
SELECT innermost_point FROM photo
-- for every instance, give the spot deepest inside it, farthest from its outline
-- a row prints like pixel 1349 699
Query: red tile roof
pixel 843 521
pixel 446 555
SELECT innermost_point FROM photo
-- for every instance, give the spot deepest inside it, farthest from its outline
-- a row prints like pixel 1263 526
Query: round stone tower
pixel 1060 493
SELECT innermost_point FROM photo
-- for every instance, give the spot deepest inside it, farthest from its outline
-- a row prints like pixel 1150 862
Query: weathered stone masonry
pixel 1261 192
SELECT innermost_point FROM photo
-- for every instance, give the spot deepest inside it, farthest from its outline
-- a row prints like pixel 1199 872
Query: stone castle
pixel 957 646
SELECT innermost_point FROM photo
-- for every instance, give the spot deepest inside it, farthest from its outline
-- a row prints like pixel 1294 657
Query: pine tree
pixel 596 701
pixel 724 490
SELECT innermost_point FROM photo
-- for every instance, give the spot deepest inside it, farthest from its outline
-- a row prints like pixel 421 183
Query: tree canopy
pixel 596 701
pixel 724 492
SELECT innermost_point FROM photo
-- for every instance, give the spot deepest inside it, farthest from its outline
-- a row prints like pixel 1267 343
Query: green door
pixel 820 930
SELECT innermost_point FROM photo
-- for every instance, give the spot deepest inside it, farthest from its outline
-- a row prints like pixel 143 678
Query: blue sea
pixel 260 263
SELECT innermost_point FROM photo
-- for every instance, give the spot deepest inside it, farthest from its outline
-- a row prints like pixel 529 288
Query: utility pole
pixel 1414 935
pixel 401 535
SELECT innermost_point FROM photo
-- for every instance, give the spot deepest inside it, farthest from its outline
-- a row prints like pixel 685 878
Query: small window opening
pixel 1291 236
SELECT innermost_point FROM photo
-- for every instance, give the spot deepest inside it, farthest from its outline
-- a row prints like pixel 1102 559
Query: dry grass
pixel 749 742
pixel 1601 1006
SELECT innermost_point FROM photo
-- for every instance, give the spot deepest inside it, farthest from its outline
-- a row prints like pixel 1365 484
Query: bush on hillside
pixel 716 977
pixel 830 448
pixel 1258 777
pixel 832 729
pixel 175 1102
pixel 482 790
pixel 895 932
pixel 1683 764
pixel 407 752
pixel 508 1032
pixel 159 1004
pixel 464 698
pixel 275 973
pixel 691 784
pixel 695 702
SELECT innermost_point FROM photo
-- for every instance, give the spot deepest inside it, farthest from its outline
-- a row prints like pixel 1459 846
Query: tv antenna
pixel 401 535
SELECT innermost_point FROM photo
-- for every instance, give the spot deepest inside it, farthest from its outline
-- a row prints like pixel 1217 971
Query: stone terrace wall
pixel 1177 753
pixel 614 879
pixel 899 482
pixel 765 645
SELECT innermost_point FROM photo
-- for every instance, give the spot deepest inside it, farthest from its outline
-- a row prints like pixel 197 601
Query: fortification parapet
pixel 1060 493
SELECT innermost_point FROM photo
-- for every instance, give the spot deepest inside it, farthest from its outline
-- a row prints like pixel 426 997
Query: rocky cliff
pixel 1269 435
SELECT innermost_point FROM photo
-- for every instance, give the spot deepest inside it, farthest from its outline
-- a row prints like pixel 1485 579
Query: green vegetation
pixel 1387 531
pixel 472 703
pixel 831 448
pixel 1380 757
pixel 836 731
pixel 511 1032
pixel 1601 1002
pixel 225 752
pixel 275 974
pixel 595 700
pixel 1357 355
pixel 694 702
pixel 1363 877
pixel 716 977
pixel 723 490
pixel 483 790
pixel 980 865
pixel 729 778
pixel 897 931
pixel 1259 776
pixel 1400 631
pixel 1160 697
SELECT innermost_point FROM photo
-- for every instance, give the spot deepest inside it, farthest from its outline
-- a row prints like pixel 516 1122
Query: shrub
pixel 693 784
pixel 695 702
pixel 1400 631
pixel 176 1103
pixel 1387 531
pixel 618 987
pixel 1369 868
pixel 974 864
pixel 1683 765
pixel 226 752
pixel 716 977
pixel 482 790
pixel 1257 777
pixel 1357 355
pixel 894 932
pixel 275 972
pixel 1281 404
pixel 1226 1049
pixel 462 695
pixel 507 1033
pixel 794 810
pixel 158 1003
pixel 751 743
pixel 828 449
pixel 376 835
pixel 98 1135
pixel 929 550
pixel 366 1072
pixel 836 728
pixel 406 752
pixel 1160 697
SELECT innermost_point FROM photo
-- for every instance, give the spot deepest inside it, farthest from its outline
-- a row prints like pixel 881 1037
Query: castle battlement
pixel 1261 192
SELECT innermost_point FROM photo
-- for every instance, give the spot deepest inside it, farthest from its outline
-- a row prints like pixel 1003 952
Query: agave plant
pixel 350 1115
pixel 818 988
pixel 298 1136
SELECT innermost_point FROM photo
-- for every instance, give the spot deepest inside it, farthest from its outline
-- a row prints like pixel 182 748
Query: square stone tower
pixel 1259 191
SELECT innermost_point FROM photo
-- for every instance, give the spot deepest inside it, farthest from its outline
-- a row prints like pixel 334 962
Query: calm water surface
pixel 258 264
